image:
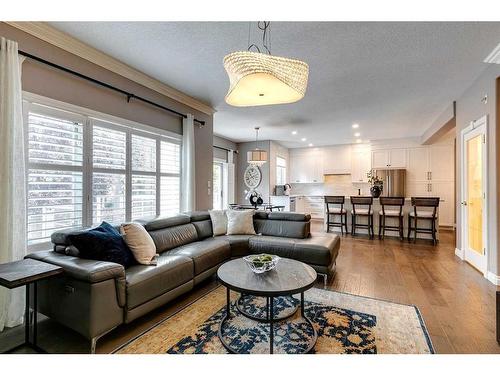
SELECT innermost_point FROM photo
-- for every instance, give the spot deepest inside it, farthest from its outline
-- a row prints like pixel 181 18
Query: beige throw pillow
pixel 240 222
pixel 140 243
pixel 219 222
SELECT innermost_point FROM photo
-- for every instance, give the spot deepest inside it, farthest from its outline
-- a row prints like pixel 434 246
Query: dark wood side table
pixel 27 272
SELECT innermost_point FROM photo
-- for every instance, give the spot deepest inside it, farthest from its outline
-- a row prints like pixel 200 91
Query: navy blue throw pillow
pixel 103 243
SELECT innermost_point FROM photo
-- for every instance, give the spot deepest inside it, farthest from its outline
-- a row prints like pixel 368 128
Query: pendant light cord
pixel 265 26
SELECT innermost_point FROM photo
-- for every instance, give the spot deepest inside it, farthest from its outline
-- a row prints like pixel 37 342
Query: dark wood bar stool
pixel 427 215
pixel 356 211
pixel 332 210
pixel 395 211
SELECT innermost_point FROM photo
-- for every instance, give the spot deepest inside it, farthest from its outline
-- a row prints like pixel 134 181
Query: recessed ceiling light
pixel 294 132
pixel 355 126
pixel 304 139
pixel 310 145
pixel 357 134
pixel 358 141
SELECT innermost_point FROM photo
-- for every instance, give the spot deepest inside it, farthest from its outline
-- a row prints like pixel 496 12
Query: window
pixel 55 172
pixel 83 170
pixel 218 186
pixel 280 170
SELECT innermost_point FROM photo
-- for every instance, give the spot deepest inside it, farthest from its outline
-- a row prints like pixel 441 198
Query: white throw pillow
pixel 140 243
pixel 219 222
pixel 240 222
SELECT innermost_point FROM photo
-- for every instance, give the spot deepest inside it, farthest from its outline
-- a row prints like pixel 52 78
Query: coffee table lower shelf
pixel 269 318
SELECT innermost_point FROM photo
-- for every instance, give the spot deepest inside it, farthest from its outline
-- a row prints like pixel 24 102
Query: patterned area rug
pixel 344 323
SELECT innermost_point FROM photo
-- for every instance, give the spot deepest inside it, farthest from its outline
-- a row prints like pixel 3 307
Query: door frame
pixel 482 121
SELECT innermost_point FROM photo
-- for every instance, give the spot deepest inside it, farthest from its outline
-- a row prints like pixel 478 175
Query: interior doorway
pixel 474 205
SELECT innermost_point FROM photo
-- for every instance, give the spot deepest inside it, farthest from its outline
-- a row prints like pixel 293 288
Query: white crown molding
pixel 66 42
pixel 494 56
pixel 494 279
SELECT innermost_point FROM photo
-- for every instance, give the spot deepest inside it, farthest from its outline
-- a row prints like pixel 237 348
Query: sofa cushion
pixel 288 216
pixel 320 248
pixel 283 228
pixel 203 228
pixel 238 244
pixel 172 237
pixel 166 222
pixel 205 254
pixel 147 282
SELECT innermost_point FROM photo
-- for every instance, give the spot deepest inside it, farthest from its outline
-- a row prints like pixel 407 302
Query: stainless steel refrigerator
pixel 394 182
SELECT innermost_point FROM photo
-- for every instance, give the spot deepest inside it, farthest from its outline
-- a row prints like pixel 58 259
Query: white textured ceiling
pixel 394 79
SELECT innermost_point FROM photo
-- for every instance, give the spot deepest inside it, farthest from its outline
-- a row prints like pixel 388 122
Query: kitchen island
pixel 389 221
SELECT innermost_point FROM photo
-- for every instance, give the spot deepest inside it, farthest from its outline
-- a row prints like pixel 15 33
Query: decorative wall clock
pixel 252 176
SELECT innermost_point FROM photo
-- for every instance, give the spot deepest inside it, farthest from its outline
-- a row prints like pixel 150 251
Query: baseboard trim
pixel 459 253
pixel 494 279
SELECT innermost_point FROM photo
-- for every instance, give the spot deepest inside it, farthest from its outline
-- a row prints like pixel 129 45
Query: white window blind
pixel 83 170
pixel 170 181
pixel 55 171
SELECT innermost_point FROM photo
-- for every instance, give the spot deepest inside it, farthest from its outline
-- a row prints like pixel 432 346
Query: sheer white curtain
pixel 187 175
pixel 12 178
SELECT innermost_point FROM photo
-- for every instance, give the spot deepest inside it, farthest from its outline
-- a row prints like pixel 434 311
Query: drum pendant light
pixel 257 156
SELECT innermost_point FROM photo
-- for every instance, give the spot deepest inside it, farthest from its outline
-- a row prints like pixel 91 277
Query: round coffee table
pixel 288 278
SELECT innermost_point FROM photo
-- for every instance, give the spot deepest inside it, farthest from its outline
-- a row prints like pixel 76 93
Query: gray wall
pixel 43 80
pixel 242 164
pixel 470 108
pixel 226 143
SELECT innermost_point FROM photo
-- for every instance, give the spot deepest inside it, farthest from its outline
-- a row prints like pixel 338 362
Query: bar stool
pixel 391 213
pixel 368 212
pixel 331 212
pixel 416 215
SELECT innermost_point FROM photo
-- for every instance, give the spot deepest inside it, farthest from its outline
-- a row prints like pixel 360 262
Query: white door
pixel 474 206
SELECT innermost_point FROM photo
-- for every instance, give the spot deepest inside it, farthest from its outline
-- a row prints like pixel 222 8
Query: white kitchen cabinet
pixel 306 166
pixel 314 205
pixel 445 191
pixel 337 159
pixel 418 164
pixel 418 189
pixel 389 158
pixel 360 164
pixel 442 162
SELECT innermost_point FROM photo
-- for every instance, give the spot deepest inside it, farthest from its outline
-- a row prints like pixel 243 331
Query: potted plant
pixel 377 184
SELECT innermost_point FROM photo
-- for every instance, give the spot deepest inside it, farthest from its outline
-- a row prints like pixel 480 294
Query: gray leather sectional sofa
pixel 93 297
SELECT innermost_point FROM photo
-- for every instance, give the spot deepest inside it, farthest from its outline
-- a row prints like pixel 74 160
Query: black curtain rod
pixel 129 95
pixel 226 149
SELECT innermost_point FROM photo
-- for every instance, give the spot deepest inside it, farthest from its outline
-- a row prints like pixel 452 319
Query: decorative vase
pixel 375 191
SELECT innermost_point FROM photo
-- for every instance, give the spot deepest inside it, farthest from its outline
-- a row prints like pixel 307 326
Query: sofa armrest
pixel 92 271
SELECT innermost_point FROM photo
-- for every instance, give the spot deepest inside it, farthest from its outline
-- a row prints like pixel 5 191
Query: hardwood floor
pixel 456 301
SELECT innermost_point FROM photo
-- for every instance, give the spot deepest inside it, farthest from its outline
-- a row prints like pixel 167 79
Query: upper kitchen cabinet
pixel 361 160
pixel 389 158
pixel 442 162
pixel 431 163
pixel 337 159
pixel 306 166
pixel 418 164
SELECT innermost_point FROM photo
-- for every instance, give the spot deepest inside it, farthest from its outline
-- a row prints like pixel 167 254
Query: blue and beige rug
pixel 345 323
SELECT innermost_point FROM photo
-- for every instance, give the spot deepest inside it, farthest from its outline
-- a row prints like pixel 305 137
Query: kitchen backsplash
pixel 333 185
